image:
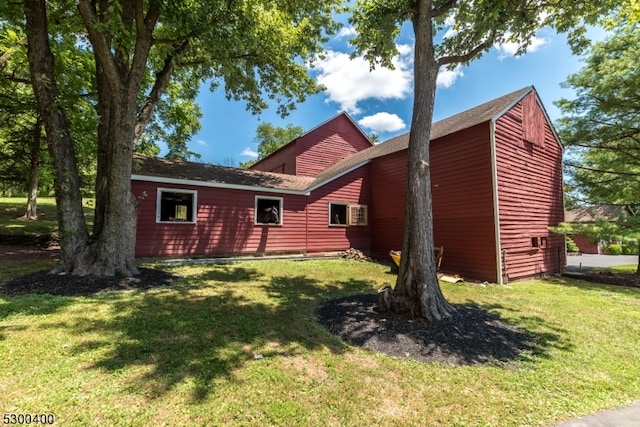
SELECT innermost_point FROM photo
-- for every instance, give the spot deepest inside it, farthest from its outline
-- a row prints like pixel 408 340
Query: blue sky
pixel 381 101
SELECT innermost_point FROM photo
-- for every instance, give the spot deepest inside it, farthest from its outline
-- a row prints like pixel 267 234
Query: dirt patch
pixel 471 337
pixel 69 285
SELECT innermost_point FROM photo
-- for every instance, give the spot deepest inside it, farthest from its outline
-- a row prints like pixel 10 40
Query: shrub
pixel 571 245
pixel 613 249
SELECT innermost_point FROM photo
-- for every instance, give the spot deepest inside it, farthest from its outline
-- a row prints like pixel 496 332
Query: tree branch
pixel 443 8
pixel 101 47
pixel 459 59
pixel 576 166
pixel 162 80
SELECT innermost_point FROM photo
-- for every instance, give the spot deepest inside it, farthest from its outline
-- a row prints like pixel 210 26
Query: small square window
pixel 543 242
pixel 534 242
pixel 338 213
pixel 358 215
pixel 268 210
pixel 174 205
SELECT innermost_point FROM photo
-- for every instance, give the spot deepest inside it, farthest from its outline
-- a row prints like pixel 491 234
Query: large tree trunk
pixel 113 249
pixel 417 278
pixel 71 223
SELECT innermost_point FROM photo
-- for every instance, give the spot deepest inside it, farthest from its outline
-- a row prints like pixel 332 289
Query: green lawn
pixel 13 208
pixel 184 355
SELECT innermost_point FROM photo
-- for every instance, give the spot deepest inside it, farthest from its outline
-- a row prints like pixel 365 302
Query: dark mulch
pixel 70 285
pixel 608 278
pixel 471 337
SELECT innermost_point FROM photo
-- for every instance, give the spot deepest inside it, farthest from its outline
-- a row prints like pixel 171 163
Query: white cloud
pixel 248 152
pixel 346 32
pixel 382 122
pixel 201 142
pixel 350 81
pixel 509 49
pixel 446 77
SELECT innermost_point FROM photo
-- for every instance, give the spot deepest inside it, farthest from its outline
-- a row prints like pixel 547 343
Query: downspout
pixel 496 203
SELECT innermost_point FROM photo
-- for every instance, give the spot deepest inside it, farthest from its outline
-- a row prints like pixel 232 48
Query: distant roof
pixel 594 213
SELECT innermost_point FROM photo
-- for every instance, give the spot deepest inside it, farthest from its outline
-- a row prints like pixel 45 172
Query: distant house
pixel 496 174
pixel 591 214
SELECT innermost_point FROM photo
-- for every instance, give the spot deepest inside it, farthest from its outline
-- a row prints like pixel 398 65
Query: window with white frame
pixel 268 210
pixel 338 213
pixel 176 205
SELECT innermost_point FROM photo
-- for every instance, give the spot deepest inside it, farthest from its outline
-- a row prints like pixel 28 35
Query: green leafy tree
pixel 253 48
pixel 270 138
pixel 477 25
pixel 600 127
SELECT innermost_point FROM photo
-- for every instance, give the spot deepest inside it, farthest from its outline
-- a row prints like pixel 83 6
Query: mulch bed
pixel 69 285
pixel 472 336
pixel 607 278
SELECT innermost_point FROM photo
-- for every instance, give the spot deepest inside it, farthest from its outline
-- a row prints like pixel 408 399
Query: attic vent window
pixel 268 210
pixel 174 205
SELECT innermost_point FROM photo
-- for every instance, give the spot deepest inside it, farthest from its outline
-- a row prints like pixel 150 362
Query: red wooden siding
pixel 352 188
pixel 386 215
pixel 462 203
pixel 282 161
pixel 316 150
pixel 224 225
pixel 530 196
pixel 461 187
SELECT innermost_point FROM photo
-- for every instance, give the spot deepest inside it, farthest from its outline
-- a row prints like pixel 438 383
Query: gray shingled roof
pixel 221 175
pixel 213 174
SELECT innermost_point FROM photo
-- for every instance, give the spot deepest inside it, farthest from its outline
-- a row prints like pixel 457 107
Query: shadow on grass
pixel 196 333
pixel 542 334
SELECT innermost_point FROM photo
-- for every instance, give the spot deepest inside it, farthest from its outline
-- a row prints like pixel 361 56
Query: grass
pixel 188 354
pixel 13 208
pixel 628 268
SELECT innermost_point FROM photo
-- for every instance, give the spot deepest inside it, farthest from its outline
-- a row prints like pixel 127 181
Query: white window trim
pixel 255 210
pixel 159 192
pixel 346 205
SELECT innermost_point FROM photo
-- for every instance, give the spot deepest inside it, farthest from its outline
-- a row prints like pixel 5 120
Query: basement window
pixel 534 243
pixel 268 210
pixel 174 205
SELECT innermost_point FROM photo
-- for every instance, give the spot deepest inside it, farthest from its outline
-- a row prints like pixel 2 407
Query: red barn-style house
pixel 496 173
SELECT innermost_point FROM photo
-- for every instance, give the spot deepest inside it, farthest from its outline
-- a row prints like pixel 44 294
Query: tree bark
pixel 417 277
pixel 34 172
pixel 71 223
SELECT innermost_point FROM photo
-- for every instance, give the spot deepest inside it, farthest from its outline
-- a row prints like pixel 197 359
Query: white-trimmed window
pixel 341 213
pixel 176 205
pixel 338 213
pixel 268 210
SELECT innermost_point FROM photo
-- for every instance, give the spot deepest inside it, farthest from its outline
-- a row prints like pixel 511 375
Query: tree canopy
pixel 600 127
pixel 269 138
